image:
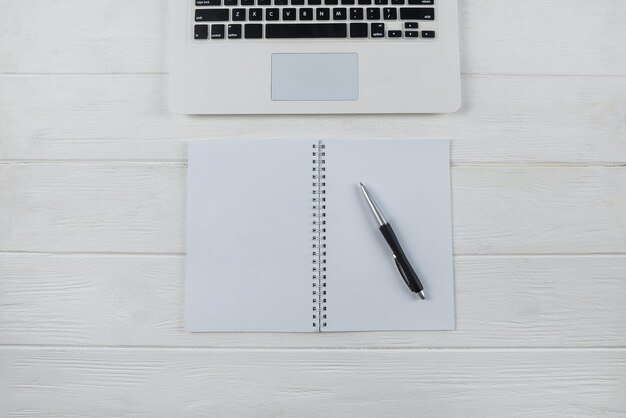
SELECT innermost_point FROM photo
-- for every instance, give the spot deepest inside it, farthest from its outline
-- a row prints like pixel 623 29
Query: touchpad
pixel 315 77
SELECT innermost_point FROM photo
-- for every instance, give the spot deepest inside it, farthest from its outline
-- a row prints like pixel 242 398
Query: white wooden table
pixel 92 187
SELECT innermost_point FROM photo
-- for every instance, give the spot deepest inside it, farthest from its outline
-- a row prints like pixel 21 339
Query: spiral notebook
pixel 280 239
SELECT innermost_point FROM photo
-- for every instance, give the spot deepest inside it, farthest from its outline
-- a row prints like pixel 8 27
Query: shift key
pixel 211 15
pixel 417 13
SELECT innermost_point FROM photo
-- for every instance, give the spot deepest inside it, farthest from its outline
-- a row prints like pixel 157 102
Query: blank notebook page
pixel 280 238
pixel 410 181
pixel 248 236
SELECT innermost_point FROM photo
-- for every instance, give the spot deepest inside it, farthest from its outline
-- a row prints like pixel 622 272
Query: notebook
pixel 280 238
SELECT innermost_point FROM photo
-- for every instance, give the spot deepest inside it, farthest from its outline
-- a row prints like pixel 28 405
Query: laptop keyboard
pixel 315 19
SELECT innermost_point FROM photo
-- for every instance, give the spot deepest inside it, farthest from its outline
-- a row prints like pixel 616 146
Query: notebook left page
pixel 249 236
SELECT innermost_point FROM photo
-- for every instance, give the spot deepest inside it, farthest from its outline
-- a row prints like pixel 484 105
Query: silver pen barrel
pixel 377 213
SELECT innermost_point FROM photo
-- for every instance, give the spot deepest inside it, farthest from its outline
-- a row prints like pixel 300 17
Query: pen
pixel 402 262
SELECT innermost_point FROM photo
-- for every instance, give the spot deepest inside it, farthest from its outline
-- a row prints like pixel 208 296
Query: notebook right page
pixel 410 181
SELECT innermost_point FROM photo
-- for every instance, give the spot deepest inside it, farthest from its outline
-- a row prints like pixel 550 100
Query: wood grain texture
pixel 120 36
pixel 92 190
pixel 505 119
pixel 337 383
pixel 74 36
pixel 95 300
pixel 139 207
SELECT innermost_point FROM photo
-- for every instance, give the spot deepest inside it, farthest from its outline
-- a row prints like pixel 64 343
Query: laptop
pixel 314 56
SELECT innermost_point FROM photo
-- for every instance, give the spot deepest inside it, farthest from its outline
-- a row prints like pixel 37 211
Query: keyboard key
pixel 234 31
pixel 358 30
pixel 381 2
pixel 356 13
pixel 253 31
pixel 239 15
pixel 201 32
pixel 297 2
pixel 281 2
pixel 415 13
pixel 331 2
pixel 263 2
pixel 411 25
pixel 378 30
pixel 306 30
pixel 394 34
pixel 212 15
pixel 365 2
pixel 247 2
pixel 272 14
pixel 314 2
pixel 396 2
pixel 411 34
pixel 422 2
pixel 306 13
pixel 208 2
pixel 340 13
pixel 230 2
pixel 390 13
pixel 323 13
pixel 255 14
pixel 373 13
pixel 347 2
pixel 429 34
pixel 289 14
pixel 217 31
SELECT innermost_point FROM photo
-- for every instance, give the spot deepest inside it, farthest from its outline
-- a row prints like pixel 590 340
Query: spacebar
pixel 306 30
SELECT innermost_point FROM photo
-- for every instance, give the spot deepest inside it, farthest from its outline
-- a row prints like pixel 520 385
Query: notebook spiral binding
pixel 319 236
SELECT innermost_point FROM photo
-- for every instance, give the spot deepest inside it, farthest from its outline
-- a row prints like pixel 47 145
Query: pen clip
pixel 402 273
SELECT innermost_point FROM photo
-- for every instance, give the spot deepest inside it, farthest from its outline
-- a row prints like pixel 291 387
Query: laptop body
pixel 314 56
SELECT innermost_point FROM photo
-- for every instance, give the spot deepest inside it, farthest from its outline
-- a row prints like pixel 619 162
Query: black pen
pixel 402 262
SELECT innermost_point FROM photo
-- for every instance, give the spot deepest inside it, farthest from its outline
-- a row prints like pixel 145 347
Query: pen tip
pixel 421 294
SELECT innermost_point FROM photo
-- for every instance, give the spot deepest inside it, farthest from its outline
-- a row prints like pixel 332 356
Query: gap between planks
pixel 166 74
pixel 177 255
pixel 183 163
pixel 60 347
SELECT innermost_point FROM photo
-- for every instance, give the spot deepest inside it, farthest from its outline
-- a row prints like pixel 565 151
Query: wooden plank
pixel 505 119
pixel 139 208
pixel 559 37
pixel 113 36
pixel 312 383
pixel 116 207
pixel 94 300
pixel 74 36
